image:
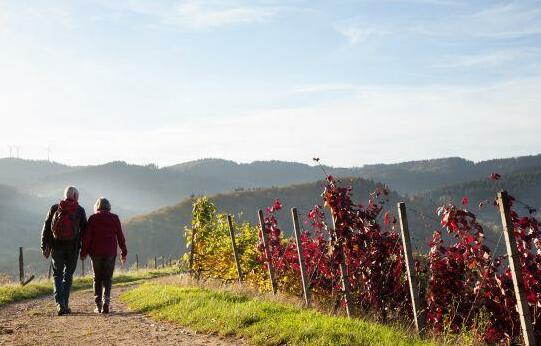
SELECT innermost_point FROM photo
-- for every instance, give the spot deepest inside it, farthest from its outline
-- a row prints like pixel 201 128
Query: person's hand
pixel 123 260
pixel 46 252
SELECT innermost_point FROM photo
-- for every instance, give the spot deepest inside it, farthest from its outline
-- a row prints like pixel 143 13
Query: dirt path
pixel 34 322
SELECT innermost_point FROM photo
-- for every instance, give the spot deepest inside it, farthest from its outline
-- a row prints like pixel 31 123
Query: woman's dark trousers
pixel 103 278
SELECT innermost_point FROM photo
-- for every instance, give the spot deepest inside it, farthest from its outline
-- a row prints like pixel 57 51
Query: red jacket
pixel 103 235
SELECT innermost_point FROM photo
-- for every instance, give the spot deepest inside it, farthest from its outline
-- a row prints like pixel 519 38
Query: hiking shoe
pixel 67 310
pixel 98 309
pixel 60 310
pixel 105 308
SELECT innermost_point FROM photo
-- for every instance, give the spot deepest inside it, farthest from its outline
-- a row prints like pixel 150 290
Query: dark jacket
pixel 47 239
pixel 103 235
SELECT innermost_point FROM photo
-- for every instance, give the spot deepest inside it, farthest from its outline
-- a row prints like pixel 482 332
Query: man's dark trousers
pixel 64 265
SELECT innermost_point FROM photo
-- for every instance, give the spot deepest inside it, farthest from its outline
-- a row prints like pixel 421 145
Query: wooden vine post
pixel 516 270
pixel 410 268
pixel 267 252
pixel 344 278
pixel 304 276
pixel 234 245
pixel 137 262
pixel 155 262
pixel 192 252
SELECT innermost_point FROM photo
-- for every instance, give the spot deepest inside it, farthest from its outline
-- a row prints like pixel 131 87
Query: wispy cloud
pixel 499 21
pixel 357 33
pixel 322 88
pixel 490 59
pixel 196 15
pixel 508 21
pixel 432 2
pixel 14 13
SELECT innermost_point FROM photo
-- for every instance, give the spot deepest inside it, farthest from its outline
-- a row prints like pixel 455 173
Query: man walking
pixel 61 239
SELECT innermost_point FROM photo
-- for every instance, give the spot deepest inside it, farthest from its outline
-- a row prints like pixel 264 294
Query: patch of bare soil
pixel 34 322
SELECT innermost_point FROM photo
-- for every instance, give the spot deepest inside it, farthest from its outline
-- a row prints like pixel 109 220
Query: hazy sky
pixel 352 82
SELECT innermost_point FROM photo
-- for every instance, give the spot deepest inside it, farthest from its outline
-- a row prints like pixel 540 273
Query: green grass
pixel 259 321
pixel 10 293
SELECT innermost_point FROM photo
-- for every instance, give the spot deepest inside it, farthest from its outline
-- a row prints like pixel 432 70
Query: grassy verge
pixel 10 293
pixel 259 321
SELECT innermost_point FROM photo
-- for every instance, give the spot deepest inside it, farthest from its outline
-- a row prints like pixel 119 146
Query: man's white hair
pixel 71 192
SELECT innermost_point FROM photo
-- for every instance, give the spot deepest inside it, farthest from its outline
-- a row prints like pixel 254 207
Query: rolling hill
pixel 524 185
pixel 19 172
pixel 422 176
pixel 161 232
pixel 21 216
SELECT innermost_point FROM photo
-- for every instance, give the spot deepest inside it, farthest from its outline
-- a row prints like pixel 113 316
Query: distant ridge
pixel 137 189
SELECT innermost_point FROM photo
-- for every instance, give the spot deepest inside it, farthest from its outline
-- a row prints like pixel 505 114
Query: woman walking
pixel 102 237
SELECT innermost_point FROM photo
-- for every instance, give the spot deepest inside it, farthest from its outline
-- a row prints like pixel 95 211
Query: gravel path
pixel 34 322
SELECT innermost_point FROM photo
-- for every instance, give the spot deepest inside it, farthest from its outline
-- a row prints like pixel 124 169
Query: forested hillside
pixel 524 185
pixel 162 232
pixel 21 217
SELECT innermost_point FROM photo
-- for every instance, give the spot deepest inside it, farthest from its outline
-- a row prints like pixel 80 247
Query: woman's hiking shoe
pixel 105 308
pixel 62 310
pixel 98 309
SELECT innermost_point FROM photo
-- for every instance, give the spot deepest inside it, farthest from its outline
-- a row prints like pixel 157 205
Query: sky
pixel 350 81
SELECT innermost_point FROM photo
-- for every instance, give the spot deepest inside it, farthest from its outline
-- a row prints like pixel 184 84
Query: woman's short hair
pixel 71 192
pixel 102 204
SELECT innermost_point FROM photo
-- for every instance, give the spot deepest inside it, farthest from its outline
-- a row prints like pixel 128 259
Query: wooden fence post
pixel 21 265
pixel 234 245
pixel 155 262
pixel 516 270
pixel 267 253
pixel 304 276
pixel 136 262
pixel 192 251
pixel 344 278
pixel 410 268
pixel 22 281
